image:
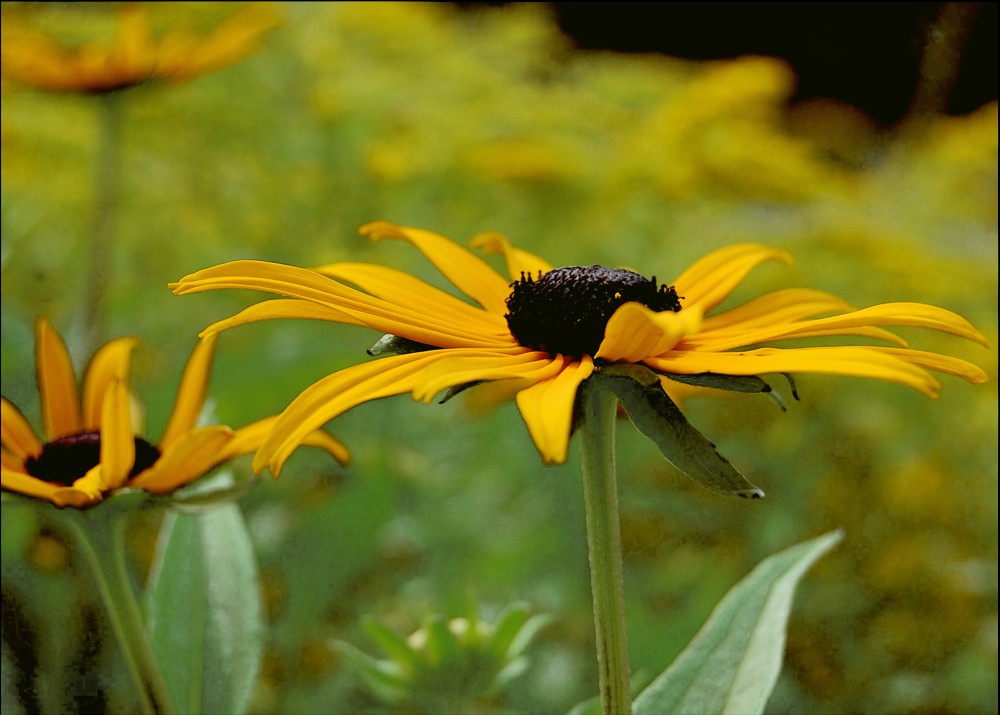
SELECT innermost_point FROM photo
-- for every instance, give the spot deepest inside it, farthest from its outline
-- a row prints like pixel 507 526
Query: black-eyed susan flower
pixel 548 330
pixel 134 57
pixel 91 446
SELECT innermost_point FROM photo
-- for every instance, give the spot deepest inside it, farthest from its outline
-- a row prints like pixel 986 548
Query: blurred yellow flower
pixel 134 57
pixel 552 328
pixel 93 448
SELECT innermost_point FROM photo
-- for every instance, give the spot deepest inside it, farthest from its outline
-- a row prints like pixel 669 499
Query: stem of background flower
pixel 596 435
pixel 101 538
pixel 106 182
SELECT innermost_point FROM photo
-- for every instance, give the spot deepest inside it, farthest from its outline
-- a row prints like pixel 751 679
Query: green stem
pixel 102 238
pixel 101 538
pixel 596 435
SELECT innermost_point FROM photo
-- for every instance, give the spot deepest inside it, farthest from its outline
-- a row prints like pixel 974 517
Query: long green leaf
pixel 204 610
pixel 733 662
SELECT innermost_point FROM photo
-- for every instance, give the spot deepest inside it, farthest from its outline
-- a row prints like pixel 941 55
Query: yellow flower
pixel 134 57
pixel 551 329
pixel 93 449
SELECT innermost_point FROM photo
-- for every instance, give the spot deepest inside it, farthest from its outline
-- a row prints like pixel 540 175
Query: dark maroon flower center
pixel 567 309
pixel 68 458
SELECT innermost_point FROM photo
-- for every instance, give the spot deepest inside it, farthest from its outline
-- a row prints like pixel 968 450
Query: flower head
pixel 134 57
pixel 93 448
pixel 547 330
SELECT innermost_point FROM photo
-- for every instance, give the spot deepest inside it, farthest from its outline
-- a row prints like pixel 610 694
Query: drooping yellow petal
pixel 528 366
pixel 711 279
pixel 635 332
pixel 192 455
pixel 22 483
pixel 17 435
pixel 403 289
pixel 250 438
pixel 469 273
pixel 327 442
pixel 339 392
pixel 190 392
pixel 281 308
pixel 547 409
pixel 519 261
pixel 57 387
pixel 112 362
pixel 117 437
pixel 851 361
pixel 311 286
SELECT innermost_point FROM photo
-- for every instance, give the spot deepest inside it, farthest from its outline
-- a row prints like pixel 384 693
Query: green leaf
pixel 395 345
pixel 733 662
pixel 204 610
pixel 393 644
pixel 656 416
pixel 385 678
pixel 731 383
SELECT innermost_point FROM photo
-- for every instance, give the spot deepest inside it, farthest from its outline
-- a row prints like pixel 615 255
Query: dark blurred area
pixel 866 54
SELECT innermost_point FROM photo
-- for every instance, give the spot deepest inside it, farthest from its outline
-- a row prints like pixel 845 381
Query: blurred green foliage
pixel 466 120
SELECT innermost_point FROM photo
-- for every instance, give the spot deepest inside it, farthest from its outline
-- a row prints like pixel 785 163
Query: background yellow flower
pixel 134 56
pixel 93 446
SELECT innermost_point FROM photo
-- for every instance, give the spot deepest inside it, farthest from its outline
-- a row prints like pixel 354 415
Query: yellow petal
pixel 192 455
pixel 547 409
pixel 251 437
pixel 132 56
pixel 403 289
pixel 852 361
pixel 22 483
pixel 190 392
pixel 111 362
pixel 88 489
pixel 339 392
pixel 519 261
pixel 469 273
pixel 17 435
pixel 858 322
pixel 282 308
pixel 326 441
pixel 117 438
pixel 711 279
pixel 76 498
pixel 940 363
pixel 780 306
pixel 309 285
pixel 635 332
pixel 11 461
pixel 529 366
pixel 56 383
pixel 238 37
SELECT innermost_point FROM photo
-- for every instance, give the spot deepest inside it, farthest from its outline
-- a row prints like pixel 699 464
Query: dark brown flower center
pixel 566 310
pixel 68 458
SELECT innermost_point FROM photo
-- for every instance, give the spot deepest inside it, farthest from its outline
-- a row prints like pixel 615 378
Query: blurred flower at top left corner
pixel 94 446
pixel 132 56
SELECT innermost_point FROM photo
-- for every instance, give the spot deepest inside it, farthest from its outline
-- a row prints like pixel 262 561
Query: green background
pixel 487 119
